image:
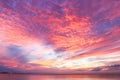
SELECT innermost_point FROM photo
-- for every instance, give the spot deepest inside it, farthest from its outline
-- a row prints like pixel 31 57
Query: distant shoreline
pixel 95 73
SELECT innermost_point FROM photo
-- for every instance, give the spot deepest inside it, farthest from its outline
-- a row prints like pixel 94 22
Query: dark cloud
pixel 15 52
pixel 6 69
pixel 113 67
pixel 108 68
pixel 96 69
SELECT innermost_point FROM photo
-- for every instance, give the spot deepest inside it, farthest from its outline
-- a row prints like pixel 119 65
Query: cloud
pixel 6 69
pixel 16 53
pixel 59 34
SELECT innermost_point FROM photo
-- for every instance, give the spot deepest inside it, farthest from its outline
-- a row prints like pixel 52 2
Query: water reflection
pixel 58 77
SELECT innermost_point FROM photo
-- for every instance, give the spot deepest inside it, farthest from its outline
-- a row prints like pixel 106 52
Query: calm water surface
pixel 58 77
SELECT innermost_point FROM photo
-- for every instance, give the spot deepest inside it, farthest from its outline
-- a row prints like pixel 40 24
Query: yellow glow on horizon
pixel 43 63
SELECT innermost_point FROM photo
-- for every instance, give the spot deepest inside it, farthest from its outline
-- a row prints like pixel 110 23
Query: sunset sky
pixel 59 36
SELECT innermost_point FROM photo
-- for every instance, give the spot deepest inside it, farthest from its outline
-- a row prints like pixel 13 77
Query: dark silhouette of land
pixel 4 73
pixel 84 73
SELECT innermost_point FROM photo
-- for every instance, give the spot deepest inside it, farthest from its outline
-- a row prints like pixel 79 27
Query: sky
pixel 59 36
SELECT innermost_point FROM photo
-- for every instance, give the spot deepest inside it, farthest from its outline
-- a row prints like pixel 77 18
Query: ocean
pixel 59 77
